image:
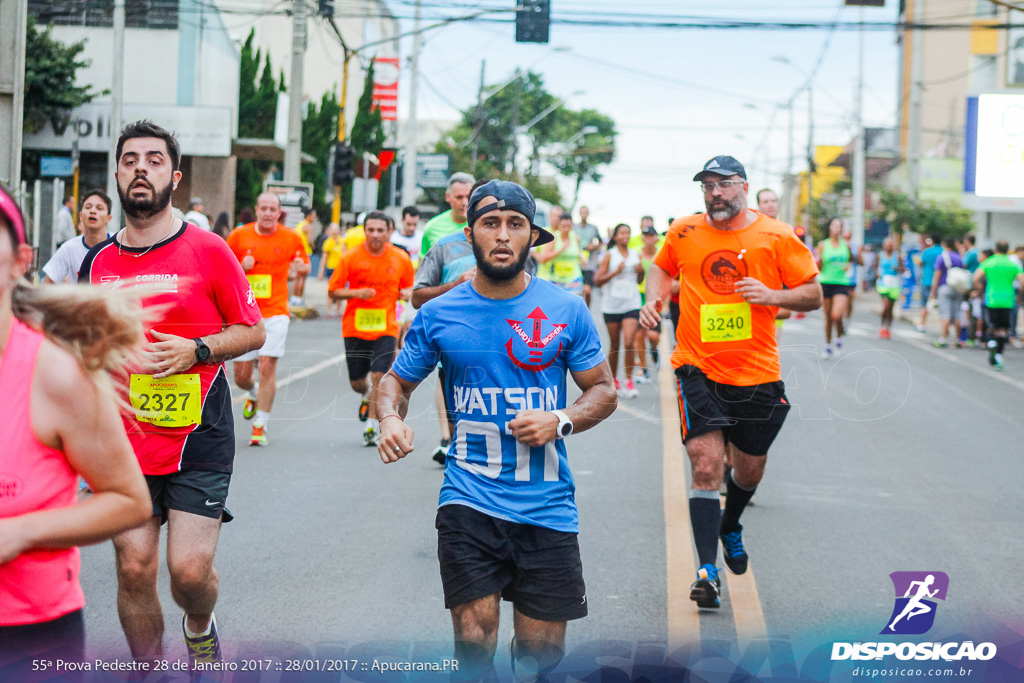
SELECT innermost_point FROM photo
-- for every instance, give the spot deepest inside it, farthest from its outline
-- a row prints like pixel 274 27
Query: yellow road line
pixel 746 606
pixel 683 618
pixel 297 375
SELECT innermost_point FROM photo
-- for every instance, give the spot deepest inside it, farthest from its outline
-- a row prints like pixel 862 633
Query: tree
pixel 257 112
pixel 50 70
pixel 319 133
pixel 490 133
pixel 368 128
pixel 583 161
pixel 904 213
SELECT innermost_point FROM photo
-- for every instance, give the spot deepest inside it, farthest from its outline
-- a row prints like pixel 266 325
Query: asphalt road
pixel 896 456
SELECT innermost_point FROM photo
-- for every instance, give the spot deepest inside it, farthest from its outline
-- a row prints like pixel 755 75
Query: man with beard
pixel 733 264
pixel 270 254
pixel 93 217
pixel 507 521
pixel 181 428
pixel 371 278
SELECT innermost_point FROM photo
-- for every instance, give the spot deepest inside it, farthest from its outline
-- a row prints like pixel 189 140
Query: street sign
pixel 56 167
pixel 432 170
pixel 295 197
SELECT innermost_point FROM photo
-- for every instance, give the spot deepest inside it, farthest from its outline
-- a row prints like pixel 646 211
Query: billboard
pixel 994 163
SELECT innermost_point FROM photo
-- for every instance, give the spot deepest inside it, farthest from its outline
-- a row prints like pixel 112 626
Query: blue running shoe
pixel 732 550
pixel 706 588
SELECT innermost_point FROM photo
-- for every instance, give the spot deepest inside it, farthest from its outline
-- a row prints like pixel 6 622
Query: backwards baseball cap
pixel 723 165
pixel 650 230
pixel 510 197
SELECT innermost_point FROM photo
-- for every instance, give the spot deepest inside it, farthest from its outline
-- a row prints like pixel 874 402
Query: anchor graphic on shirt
pixel 536 344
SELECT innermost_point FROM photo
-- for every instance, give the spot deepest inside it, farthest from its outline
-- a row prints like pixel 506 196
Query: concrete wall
pixel 210 178
pixel 1003 226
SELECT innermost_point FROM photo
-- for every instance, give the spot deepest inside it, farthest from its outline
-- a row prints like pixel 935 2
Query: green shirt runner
pixel 834 263
pixel 1000 272
pixel 437 227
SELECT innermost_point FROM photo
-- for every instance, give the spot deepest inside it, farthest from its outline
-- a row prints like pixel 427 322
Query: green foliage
pixel 822 211
pixel 904 214
pixel 368 128
pixel 257 111
pixel 319 133
pixel 489 131
pixel 50 69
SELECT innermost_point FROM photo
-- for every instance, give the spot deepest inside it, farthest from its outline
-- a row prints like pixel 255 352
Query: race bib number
pixel 371 320
pixel 173 401
pixel 623 289
pixel 725 322
pixel 565 270
pixel 260 286
pixel 890 282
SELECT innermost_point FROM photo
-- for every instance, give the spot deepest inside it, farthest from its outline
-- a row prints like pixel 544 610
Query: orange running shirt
pixel 374 317
pixel 731 341
pixel 273 254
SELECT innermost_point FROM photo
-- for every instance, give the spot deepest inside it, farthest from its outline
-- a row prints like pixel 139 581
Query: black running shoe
pixel 732 550
pixel 706 588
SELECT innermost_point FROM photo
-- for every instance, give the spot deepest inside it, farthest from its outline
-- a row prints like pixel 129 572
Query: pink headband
pixel 10 211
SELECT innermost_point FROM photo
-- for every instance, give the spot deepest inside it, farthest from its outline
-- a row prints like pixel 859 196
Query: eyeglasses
pixel 721 184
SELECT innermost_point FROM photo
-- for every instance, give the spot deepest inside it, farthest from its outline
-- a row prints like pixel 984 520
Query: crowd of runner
pixel 171 301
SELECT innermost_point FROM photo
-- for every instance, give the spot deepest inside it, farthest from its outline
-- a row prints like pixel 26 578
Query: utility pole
pixel 13 17
pixel 914 134
pixel 787 182
pixel 293 152
pixel 409 184
pixel 116 99
pixel 479 115
pixel 515 125
pixel 810 156
pixel 860 142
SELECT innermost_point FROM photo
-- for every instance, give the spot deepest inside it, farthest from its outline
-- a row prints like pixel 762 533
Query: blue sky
pixel 678 96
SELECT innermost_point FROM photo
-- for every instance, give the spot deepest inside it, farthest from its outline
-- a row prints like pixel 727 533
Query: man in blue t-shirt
pixel 928 258
pixel 507 521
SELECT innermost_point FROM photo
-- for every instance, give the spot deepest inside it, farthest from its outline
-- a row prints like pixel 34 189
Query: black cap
pixel 650 230
pixel 511 197
pixel 723 165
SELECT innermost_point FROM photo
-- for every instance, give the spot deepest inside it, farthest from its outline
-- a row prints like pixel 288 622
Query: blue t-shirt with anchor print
pixel 501 357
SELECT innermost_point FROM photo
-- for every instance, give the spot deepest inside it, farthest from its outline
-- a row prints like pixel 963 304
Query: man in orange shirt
pixel 269 253
pixel 733 264
pixel 373 276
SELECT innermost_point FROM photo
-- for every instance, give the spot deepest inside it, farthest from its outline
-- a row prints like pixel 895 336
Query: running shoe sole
pixel 258 438
pixel 249 409
pixel 705 593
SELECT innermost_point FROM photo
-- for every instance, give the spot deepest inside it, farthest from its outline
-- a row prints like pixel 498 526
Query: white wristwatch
pixel 564 427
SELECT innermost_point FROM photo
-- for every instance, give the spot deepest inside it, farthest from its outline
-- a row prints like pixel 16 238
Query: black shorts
pixel 199 493
pixel 588 277
pixel 538 570
pixel 829 291
pixel 63 637
pixel 619 317
pixel 364 356
pixel 750 417
pixel 998 318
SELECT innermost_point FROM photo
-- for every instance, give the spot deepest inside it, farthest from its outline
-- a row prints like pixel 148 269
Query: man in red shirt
pixel 270 254
pixel 181 427
pixel 372 277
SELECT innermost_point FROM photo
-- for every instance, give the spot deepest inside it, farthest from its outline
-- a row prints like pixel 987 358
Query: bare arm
pixel 805 297
pixel 422 295
pixel 171 354
pixel 391 405
pixel 659 286
pixel 71 414
pixel 340 294
pixel 602 276
pixel 549 251
pixel 598 401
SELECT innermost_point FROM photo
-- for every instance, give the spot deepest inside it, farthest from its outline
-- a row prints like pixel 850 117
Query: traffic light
pixel 325 8
pixel 533 19
pixel 341 170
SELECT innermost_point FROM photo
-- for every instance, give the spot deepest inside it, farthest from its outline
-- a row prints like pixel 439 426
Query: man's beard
pixel 500 273
pixel 726 213
pixel 145 208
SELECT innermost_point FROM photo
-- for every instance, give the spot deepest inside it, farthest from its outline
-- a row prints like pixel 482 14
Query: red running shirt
pixel 198 288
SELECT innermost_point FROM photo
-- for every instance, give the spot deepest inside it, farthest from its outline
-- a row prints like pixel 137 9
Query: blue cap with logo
pixel 723 165
pixel 510 197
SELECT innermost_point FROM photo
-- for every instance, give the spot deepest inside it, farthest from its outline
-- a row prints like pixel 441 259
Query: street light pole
pixel 293 151
pixel 859 151
pixel 116 95
pixel 409 184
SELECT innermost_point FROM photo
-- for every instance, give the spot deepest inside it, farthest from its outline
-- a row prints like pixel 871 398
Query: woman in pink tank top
pixel 58 420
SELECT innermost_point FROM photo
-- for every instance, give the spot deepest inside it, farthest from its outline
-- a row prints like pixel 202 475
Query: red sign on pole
pixel 385 87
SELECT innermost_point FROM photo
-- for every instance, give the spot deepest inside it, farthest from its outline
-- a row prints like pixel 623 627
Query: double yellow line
pixel 683 616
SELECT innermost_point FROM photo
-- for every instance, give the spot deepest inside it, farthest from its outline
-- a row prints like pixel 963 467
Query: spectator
pixel 222 226
pixel 195 214
pixel 246 216
pixel 64 227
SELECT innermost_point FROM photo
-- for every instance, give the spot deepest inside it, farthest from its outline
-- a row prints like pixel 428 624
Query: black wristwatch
pixel 202 351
